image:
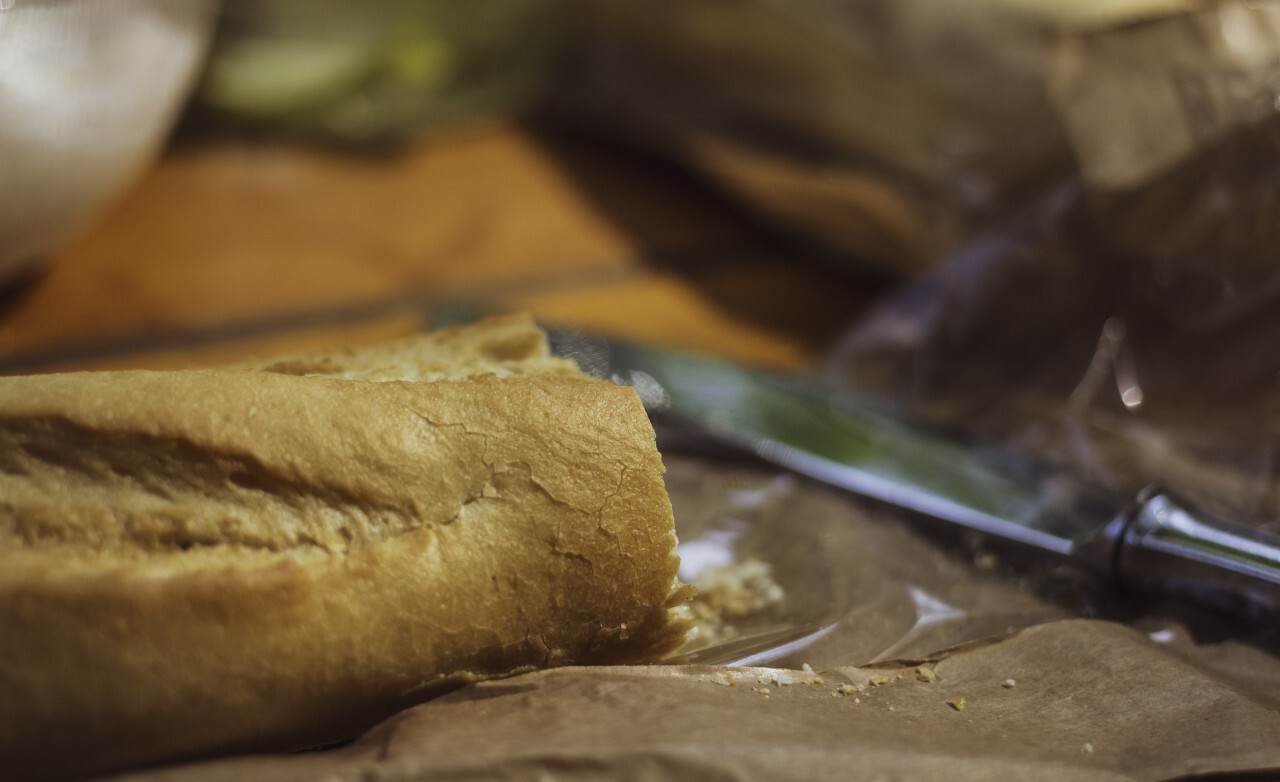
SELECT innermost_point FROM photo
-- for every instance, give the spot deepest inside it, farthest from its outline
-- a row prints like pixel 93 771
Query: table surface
pixel 232 247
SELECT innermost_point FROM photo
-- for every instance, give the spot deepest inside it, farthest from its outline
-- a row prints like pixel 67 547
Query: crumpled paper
pixel 888 130
pixel 943 662
pixel 1066 700
pixel 1124 328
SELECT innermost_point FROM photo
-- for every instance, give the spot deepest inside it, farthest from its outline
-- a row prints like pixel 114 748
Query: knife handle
pixel 1167 546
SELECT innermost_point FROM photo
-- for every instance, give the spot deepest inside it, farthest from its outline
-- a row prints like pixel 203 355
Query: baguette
pixel 277 556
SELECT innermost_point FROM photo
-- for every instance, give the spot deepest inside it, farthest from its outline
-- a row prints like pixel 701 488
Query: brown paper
pixel 1137 101
pixel 859 583
pixel 1067 700
pixel 890 131
pixel 1125 330
pixel 1029 695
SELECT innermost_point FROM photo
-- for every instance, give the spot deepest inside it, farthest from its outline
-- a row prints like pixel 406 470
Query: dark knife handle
pixel 1167 546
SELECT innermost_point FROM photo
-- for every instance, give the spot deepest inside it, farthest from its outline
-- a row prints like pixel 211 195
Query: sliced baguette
pixel 216 561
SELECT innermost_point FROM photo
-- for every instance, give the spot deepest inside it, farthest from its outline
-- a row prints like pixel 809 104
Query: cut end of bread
pixel 278 555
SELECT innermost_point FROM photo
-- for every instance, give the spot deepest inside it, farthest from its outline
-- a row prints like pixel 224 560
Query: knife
pixel 1153 541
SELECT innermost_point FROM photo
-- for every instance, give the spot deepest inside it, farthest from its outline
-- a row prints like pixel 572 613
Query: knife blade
pixel 1152 541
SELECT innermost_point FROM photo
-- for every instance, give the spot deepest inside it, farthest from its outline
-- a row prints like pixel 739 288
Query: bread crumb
pixel 891 709
pixel 1087 748
pixel 926 674
pixel 1007 683
pixel 846 689
pixel 807 668
pixel 878 680
pixel 762 690
pixel 957 703
pixel 734 591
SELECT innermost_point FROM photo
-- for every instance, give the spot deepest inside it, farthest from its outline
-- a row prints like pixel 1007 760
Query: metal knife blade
pixel 1151 541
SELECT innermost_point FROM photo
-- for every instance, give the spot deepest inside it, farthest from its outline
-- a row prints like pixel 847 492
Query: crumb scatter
pixel 733 592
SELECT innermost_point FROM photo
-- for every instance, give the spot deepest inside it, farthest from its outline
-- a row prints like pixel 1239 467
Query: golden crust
pixel 503 345
pixel 208 561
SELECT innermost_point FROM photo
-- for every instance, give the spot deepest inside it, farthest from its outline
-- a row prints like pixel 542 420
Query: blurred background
pixel 1040 223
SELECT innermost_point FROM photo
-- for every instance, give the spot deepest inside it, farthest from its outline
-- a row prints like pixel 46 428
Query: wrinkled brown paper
pixel 888 130
pixel 1032 693
pixel 1068 700
pixel 1126 329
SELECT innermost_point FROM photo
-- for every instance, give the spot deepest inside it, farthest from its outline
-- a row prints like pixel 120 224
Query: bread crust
pixel 233 560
